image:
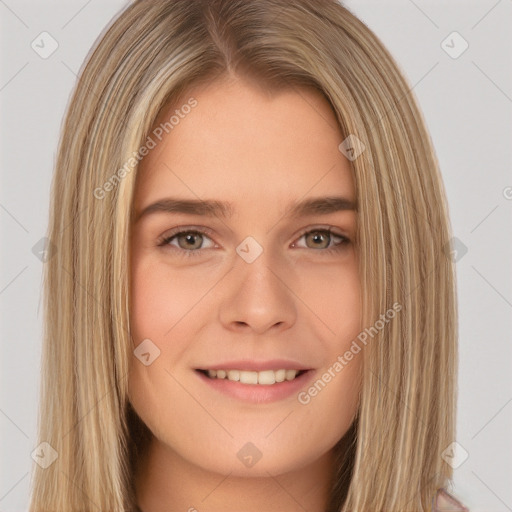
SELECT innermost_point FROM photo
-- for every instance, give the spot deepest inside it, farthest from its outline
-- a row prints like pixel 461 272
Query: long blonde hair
pixel 148 57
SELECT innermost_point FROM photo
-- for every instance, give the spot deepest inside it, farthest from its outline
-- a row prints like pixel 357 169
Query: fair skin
pixel 297 301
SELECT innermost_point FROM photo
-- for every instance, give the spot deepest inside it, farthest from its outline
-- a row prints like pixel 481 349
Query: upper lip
pixel 257 366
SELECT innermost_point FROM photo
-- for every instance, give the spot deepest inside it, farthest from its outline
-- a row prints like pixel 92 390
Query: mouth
pixel 263 378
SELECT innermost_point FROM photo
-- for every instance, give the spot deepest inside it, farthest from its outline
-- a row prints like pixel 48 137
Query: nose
pixel 258 296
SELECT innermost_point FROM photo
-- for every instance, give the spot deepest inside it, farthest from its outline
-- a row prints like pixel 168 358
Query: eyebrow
pixel 211 208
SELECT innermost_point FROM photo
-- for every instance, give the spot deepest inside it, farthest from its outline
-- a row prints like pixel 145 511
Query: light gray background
pixel 467 103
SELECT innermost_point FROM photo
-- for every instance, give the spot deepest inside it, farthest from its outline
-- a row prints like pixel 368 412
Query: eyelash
pixel 164 241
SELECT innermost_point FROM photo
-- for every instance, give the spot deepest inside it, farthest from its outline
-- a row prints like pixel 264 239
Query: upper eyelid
pixel 329 230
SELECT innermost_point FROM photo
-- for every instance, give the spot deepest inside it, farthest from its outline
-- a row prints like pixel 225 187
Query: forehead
pixel 242 143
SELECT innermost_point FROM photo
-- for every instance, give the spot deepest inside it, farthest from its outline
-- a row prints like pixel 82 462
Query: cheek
pixel 334 298
pixel 328 406
pixel 332 293
pixel 163 309
pixel 161 297
pixel 335 389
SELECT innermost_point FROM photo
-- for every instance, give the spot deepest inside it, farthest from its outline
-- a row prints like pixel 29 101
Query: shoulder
pixel 445 502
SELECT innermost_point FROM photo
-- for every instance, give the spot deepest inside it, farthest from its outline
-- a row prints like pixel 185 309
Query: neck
pixel 166 481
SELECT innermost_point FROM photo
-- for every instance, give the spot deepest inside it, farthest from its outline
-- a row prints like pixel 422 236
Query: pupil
pixel 317 237
pixel 190 239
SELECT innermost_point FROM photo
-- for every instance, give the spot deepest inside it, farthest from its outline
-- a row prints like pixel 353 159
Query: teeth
pixel 234 375
pixel 249 377
pixel 280 375
pixel 265 377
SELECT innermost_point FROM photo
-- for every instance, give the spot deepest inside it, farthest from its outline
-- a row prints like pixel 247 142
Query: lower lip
pixel 258 393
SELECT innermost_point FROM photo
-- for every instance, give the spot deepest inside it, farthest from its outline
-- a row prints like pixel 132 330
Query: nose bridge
pixel 256 293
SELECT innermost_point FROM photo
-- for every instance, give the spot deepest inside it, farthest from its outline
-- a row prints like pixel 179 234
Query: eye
pixel 189 242
pixel 322 239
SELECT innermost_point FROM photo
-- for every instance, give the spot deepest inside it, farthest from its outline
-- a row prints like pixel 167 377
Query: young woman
pixel 250 305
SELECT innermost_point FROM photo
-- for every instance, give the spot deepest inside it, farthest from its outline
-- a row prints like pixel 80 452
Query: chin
pixel 250 459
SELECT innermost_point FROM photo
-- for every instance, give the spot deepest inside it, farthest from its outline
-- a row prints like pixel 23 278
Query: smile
pixel 257 387
pixel 264 378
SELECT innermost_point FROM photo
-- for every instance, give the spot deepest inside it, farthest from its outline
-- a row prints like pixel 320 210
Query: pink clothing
pixel 444 502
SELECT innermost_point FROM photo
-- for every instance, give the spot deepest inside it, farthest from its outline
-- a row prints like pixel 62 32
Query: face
pixel 258 290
